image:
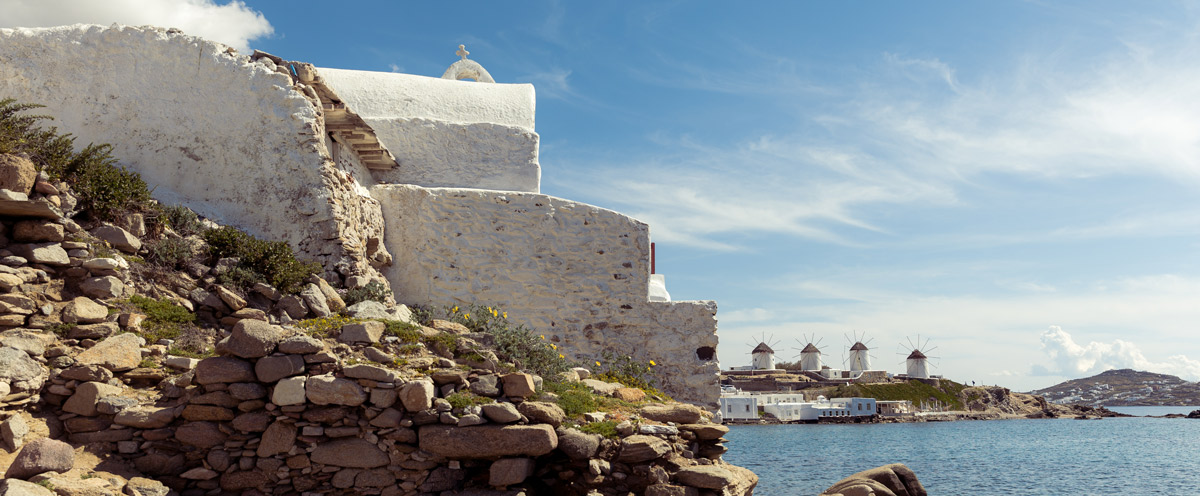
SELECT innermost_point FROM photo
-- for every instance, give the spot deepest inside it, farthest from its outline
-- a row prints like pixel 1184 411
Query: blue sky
pixel 1016 181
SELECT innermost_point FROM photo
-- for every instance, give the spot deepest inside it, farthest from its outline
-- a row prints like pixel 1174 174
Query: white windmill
pixel 763 357
pixel 917 363
pixel 860 357
pixel 810 356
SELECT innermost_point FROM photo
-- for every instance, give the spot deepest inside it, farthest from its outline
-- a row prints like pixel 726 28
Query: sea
pixel 1125 456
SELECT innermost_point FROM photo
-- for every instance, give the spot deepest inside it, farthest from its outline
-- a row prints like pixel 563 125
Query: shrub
pixel 272 262
pixel 405 332
pixel 325 326
pixel 180 219
pixel 576 399
pixel 623 369
pixel 171 253
pixel 513 343
pixel 164 320
pixel 463 399
pixel 374 291
pixel 606 428
pixel 104 188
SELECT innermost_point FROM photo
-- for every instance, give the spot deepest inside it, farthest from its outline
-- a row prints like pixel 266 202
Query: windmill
pixel 810 355
pixel 860 357
pixel 763 357
pixel 917 362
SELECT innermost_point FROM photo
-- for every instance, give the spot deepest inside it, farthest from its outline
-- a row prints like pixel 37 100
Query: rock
pixel 181 363
pixel 601 387
pixel 501 413
pixel 101 264
pixel 377 356
pixel 518 385
pixel 214 370
pixel 37 231
pixel 488 441
pixel 486 385
pixel 17 173
pixel 315 299
pixel 639 449
pixel 705 476
pixel 43 253
pixel 370 309
pixel 118 238
pixel 41 455
pixel 86 373
pixel 671 490
pixel 83 402
pixel 678 413
pixel 102 287
pixel 231 299
pixel 332 300
pixel 141 486
pixel 145 417
pixel 278 438
pixel 293 306
pixel 13 431
pixel 290 391
pixel 508 471
pixel 32 343
pixel 199 473
pixel 578 445
pixel 9 282
pixel 207 412
pixel 349 452
pixel 417 395
pixel 1194 414
pixel 20 371
pixel 363 332
pixel 629 394
pixel 889 480
pixel 706 432
pixel 301 345
pixel 253 338
pixel 84 310
pixel 329 390
pixel 370 372
pixel 200 434
pixel 252 422
pixel 240 481
pixel 545 413
pixel 118 353
pixel 18 487
pixel 273 368
pixel 94 331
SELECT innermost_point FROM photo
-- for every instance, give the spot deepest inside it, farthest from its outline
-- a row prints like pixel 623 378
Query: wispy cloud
pixel 232 23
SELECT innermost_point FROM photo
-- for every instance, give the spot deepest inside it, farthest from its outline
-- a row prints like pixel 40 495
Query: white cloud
pixel 1072 359
pixel 232 23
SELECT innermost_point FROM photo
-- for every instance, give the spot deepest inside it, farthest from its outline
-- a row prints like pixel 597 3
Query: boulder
pixel 80 372
pixel 706 432
pixel 18 487
pixel 20 371
pixel 273 368
pixel 118 353
pixel 678 413
pixel 84 310
pixel 417 395
pixel 501 413
pixel 300 344
pixel 43 253
pixel 508 471
pixel 370 373
pixel 488 441
pixel 145 417
pixel 41 455
pixel 639 448
pixel 36 231
pixel 32 343
pixel 705 476
pixel 231 299
pixel 223 370
pixel 545 413
pixel 17 173
pixel 103 287
pixel 602 387
pixel 315 300
pixel 578 445
pixel 253 338
pixel 629 394
pixel 280 437
pixel 200 434
pixel 94 331
pixel 83 402
pixel 518 385
pixel 290 391
pixel 889 480
pixel 349 452
pixel 13 431
pixel 362 332
pixel 293 306
pixel 141 486
pixel 119 238
pixel 332 299
pixel 329 390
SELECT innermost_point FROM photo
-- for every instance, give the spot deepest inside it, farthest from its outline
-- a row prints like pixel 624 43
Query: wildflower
pixel 597 364
pixel 543 336
pixel 454 310
pixel 652 363
pixel 466 315
pixel 506 315
pixel 560 355
pixel 552 345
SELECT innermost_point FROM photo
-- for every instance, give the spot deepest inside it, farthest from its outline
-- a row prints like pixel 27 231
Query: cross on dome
pixel 462 52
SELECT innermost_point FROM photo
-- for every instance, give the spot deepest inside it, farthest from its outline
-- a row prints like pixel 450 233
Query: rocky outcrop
pixel 889 480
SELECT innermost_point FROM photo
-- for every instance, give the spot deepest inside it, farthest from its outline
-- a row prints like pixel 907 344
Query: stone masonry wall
pixel 235 139
pixel 574 272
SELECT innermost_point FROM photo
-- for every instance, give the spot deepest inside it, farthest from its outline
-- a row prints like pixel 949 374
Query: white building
pixel 860 359
pixel 810 358
pixel 739 407
pixel 821 409
pixel 917 365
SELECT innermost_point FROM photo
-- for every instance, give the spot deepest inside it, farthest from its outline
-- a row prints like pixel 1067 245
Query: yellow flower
pixel 652 363
pixel 466 315
pixel 597 364
pixel 506 315
pixel 454 310
pixel 552 345
pixel 560 355
pixel 543 336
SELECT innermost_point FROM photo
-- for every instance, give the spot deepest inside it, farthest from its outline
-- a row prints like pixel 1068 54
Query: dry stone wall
pixel 574 272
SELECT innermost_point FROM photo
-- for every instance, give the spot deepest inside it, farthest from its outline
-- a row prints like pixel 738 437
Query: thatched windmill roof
pixel 858 346
pixel 916 354
pixel 810 349
pixel 763 348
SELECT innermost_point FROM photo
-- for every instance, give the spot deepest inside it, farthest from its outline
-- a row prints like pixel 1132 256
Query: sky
pixel 1015 183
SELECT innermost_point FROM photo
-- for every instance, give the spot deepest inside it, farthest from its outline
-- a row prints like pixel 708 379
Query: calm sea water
pixel 1126 456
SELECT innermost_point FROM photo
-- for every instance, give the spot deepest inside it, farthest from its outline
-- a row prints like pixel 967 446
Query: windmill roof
pixel 810 349
pixel 762 348
pixel 858 346
pixel 916 354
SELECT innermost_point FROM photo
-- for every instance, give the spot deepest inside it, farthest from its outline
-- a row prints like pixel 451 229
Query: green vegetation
pixel 272 262
pixel 374 291
pixel 407 333
pixel 513 343
pixel 104 188
pixel 325 326
pixel 606 428
pixel 180 219
pixel 623 369
pixel 576 399
pixel 61 329
pixel 184 352
pixel 947 392
pixel 463 399
pixel 170 253
pixel 164 319
pixel 148 363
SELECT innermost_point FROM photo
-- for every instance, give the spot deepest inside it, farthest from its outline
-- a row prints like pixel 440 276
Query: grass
pixel 321 327
pixel 405 332
pixel 373 291
pixel 183 352
pixel 164 319
pixel 463 399
pixel 606 428
pixel 148 363
pixel 514 343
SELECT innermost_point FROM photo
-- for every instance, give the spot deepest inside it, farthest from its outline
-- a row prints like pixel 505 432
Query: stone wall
pixel 574 272
pixel 236 140
pixel 447 133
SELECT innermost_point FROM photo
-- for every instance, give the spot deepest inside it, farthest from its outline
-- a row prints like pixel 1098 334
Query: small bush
pixel 171 253
pixel 442 344
pixel 513 343
pixel 463 399
pixel 188 353
pixel 373 291
pixel 272 261
pixel 623 369
pixel 574 398
pixel 326 326
pixel 606 428
pixel 409 349
pixel 164 319
pixel 180 219
pixel 148 363
pixel 407 333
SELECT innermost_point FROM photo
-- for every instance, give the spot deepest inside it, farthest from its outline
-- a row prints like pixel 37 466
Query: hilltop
pixel 1124 387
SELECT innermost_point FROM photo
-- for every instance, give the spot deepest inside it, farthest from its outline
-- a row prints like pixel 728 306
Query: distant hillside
pixel 1125 387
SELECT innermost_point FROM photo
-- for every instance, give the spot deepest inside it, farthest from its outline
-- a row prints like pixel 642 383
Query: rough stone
pixel 363 332
pixel 41 455
pixel 103 287
pixel 290 391
pixel 43 253
pixel 349 452
pixel 293 306
pixel 501 413
pixel 706 432
pixel 247 391
pixel 145 417
pixel 119 238
pixel 80 372
pixel 546 413
pixel 17 173
pixel 578 445
pixel 273 368
pixel 705 476
pixel 315 300
pixel 84 310
pixel 486 385
pixel 240 481
pixel 214 370
pixel 278 438
pixel 231 299
pixel 207 412
pixel 417 395
pixel 253 338
pixel 518 385
pixel 629 394
pixel 508 471
pixel 94 331
pixel 252 422
pixel 671 490
pixel 329 390
pixel 200 434
pixel 36 231
pixel 83 402
pixel 371 373
pixel 488 441
pixel 101 264
pixel 378 356
pixel 18 487
pixel 13 431
pixel 889 480
pixel 332 299
pixel 301 345
pixel 20 371
pixel 678 413
pixel 117 353
pixel 639 449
